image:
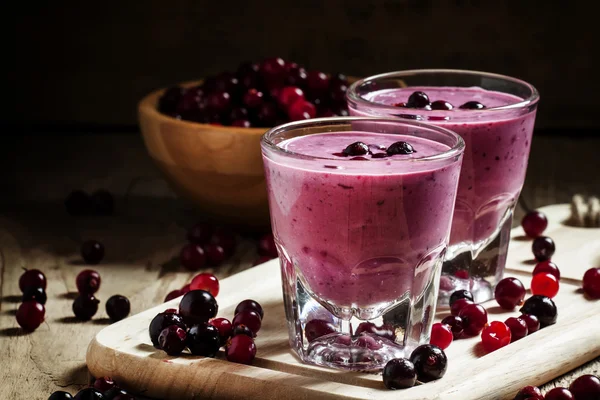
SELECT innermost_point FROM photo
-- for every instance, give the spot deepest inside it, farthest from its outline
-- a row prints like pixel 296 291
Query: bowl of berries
pixel 205 135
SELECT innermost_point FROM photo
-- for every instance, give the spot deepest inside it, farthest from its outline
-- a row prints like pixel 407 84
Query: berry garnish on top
pixel 356 149
pixel 418 100
pixel 472 105
pixel 400 148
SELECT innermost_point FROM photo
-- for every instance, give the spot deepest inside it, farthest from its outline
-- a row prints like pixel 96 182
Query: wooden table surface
pixel 143 239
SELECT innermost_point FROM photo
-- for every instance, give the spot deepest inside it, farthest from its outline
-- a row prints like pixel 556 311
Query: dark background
pixel 87 64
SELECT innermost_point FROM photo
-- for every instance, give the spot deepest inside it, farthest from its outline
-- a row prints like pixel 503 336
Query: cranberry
pixel 218 101
pixel 241 123
pixel 400 148
pixel 399 373
pixel 430 362
pixel 547 266
pixel 241 349
pixel 472 105
pixel 253 98
pixel 266 246
pixel 518 328
pixel 103 202
pixel 207 282
pixel 533 323
pixel 300 110
pixel 60 395
pixel 455 324
pixel 441 105
pixel 88 281
pixel 384 330
pixel 30 315
pixel 173 294
pixel 249 305
pixel 509 293
pixel 474 318
pixel 296 75
pixel 185 289
pixel 459 305
pixel 167 103
pixel 315 328
pixel 529 392
pixel 247 75
pixel 199 233
pixel 495 335
pixel 32 278
pixel 78 203
pixel 117 307
pixel 198 306
pixel 224 327
pixel 92 252
pixel 338 78
pixel 104 384
pixel 460 294
pixel 559 393
pixel 534 223
pixel 417 100
pixel 542 307
pixel 289 95
pixel 192 257
pixel 35 293
pixel 441 335
pixel 191 100
pixel 591 283
pixel 172 340
pixel 337 91
pixel 543 248
pixel 227 82
pixel 267 115
pixel 273 71
pixel 203 340
pixel 225 239
pixel 356 149
pixel 242 329
pixel 586 387
pixel 545 284
pixel 317 83
pixel 89 394
pixel 215 254
pixel 163 320
pixel 85 306
pixel 250 318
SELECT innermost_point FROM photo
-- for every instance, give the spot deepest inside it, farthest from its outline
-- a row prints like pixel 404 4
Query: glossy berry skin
pixel 533 323
pixel 495 335
pixel 542 307
pixel 224 327
pixel 529 392
pixel 430 362
pixel 192 257
pixel 441 105
pixel 534 223
pixel 301 110
pixel 104 384
pixel 456 325
pixel 198 306
pixel 161 321
pixel 215 254
pixel 250 318
pixel 203 340
pixel 35 293
pixel 543 248
pixel 472 105
pixel 591 283
pixel 273 71
pixel 241 349
pixel 559 393
pixel 185 289
pixel 460 294
pixel 30 315
pixel 242 329
pixel 103 202
pixel 518 328
pixel 249 304
pixel 78 203
pixel 207 282
pixel 289 95
pixel 199 233
pixel 88 281
pixel 60 395
pixel 316 328
pixel 117 307
pixel 441 335
pixel 218 102
pixel 400 148
pixel 546 266
pixel 317 83
pixel 474 319
pixel 241 123
pixel 253 99
pixel 509 293
pixel 172 340
pixel 356 149
pixel 399 373
pixel 225 239
pixel 266 246
pixel 544 284
pixel 89 394
pixel 586 387
pixel 32 278
pixel 117 393
pixel 459 305
pixel 417 100
pixel 85 307
pixel 173 294
pixel 92 252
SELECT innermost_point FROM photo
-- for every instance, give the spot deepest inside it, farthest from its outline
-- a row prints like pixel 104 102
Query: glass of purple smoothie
pixel 361 211
pixel 494 114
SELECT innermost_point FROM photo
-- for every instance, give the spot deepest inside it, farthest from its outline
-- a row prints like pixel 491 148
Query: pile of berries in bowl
pixel 205 135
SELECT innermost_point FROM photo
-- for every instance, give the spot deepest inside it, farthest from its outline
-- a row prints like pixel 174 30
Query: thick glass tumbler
pixel 494 114
pixel 361 211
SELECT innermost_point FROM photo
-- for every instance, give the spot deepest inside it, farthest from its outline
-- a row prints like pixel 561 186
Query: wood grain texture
pixel 144 237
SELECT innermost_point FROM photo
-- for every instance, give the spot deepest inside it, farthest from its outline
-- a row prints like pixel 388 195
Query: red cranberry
pixel 242 123
pixel 289 95
pixel 315 328
pixel 199 233
pixel 241 349
pixel 192 257
pixel 456 325
pixel 441 335
pixel 224 327
pixel 207 282
pixel 227 82
pixel 544 284
pixel 533 323
pixel 218 101
pixel 495 335
pixel 85 306
pixel 266 115
pixel 559 393
pixel 249 305
pixel 474 318
pixel 215 254
pixel 534 223
pixel 399 373
pixel 547 266
pixel 509 293
pixel 30 315
pixel 117 307
pixel 459 305
pixel 198 306
pixel 586 387
pixel 317 83
pixel 417 100
pixel 161 321
pixel 273 72
pixel 300 110
pixel 32 278
pixel 518 328
pixel 472 105
pixel 250 318
pixel 591 283
pixel 253 98
pixel 543 248
pixel 247 75
pixel 173 294
pixel 225 239
pixel 296 75
pixel 92 252
pixel 172 340
pixel 326 113
pixel 88 281
pixel 185 289
pixel 191 100
pixel 266 246
pixel 238 113
pixel 529 392
pixel 441 105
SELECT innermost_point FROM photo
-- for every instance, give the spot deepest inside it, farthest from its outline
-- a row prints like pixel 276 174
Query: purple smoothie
pixel 361 233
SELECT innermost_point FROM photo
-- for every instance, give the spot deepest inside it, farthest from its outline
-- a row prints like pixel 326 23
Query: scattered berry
pixel 399 373
pixel 215 254
pixel 586 387
pixel 30 315
pixel 250 318
pixel 529 392
pixel 185 289
pixel 198 306
pixel 89 394
pixel 474 319
pixel 534 223
pixel 172 340
pixel 400 148
pixel 249 305
pixel 315 328
pixel 301 110
pixel 441 335
pixel 173 294
pixel 456 325
pixel 459 305
pixel 542 307
pixel 543 248
pixel 317 82
pixel 117 307
pixel 224 327
pixel 162 321
pixel 242 329
pixel 92 252
pixel 533 323
pixel 60 395
pixel 204 340
pixel 289 95
pixel 460 294
pixel 559 393
pixel 518 328
pixel 253 98
pixel 546 266
pixel 88 281
pixel 241 349
pixel 207 282
pixel 591 283
pixel 495 335
pixel 35 293
pixel 225 239
pixel 544 284
pixel 192 257
pixel 85 306
pixel 509 293
pixel 430 362
pixel 472 105
pixel 32 278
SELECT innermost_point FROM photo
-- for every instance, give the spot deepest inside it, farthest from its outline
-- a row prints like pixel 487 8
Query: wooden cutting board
pixel 124 351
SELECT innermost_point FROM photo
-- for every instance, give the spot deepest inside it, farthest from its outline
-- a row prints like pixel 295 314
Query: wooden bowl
pixel 219 168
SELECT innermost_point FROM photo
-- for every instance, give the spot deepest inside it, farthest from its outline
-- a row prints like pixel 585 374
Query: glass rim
pixel 353 97
pixel 455 150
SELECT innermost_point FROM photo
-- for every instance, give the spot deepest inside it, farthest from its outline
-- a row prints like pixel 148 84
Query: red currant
pixel 88 281
pixel 173 294
pixel 250 318
pixel 215 254
pixel 207 282
pixel 30 315
pixel 591 283
pixel 518 328
pixel 241 349
pixel 529 393
pixel 586 387
pixel 543 248
pixel 441 335
pixel 249 304
pixel 185 289
pixel 509 293
pixel 456 325
pixel 317 82
pixel 224 327
pixel 534 223
pixel 192 257
pixel 495 336
pixel 459 305
pixel 474 318
pixel 544 284
pixel 533 323
pixel 547 266
pixel 559 393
